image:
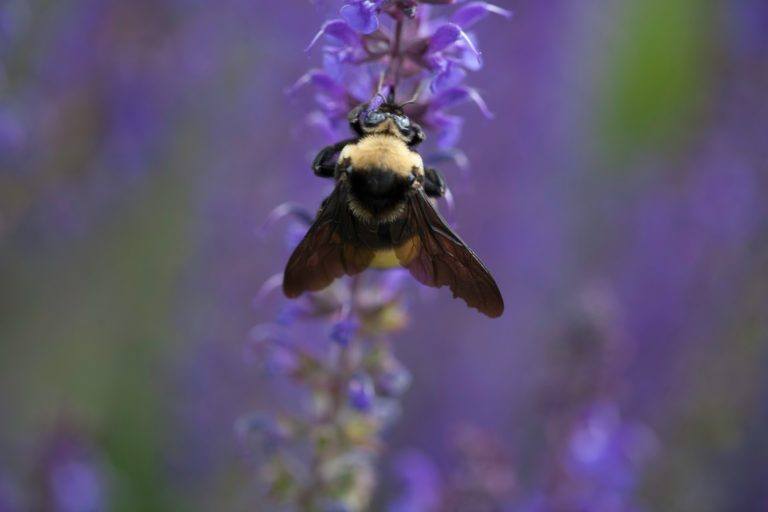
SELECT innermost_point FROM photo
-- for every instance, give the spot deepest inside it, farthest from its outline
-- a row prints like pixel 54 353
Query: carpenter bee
pixel 381 215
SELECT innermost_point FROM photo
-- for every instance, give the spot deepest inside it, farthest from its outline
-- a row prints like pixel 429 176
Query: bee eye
pixel 403 123
pixel 374 118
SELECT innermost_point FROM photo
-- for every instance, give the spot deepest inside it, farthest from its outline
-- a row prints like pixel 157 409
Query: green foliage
pixel 655 76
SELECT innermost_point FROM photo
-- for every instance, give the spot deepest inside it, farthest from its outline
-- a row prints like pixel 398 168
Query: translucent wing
pixel 437 257
pixel 330 249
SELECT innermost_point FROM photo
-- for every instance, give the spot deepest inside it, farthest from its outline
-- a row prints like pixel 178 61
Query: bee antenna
pixel 416 95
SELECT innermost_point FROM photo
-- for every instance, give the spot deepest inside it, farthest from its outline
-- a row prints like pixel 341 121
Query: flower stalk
pixel 323 457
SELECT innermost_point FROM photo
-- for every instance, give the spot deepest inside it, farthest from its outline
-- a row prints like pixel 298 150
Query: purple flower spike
pixel 473 12
pixel 373 49
pixel 338 30
pixel 448 35
pixel 361 15
pixel 361 392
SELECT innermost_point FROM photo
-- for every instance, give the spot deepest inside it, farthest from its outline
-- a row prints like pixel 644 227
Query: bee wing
pixel 437 257
pixel 330 249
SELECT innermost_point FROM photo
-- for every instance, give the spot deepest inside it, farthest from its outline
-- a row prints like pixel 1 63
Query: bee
pixel 381 214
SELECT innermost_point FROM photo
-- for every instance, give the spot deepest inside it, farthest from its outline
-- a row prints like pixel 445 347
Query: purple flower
pixel 339 32
pixel 450 76
pixel 471 13
pixel 343 331
pixel 361 15
pixel 446 36
pixel 420 482
pixel 447 128
pixel 480 478
pixel 361 392
pixel 456 96
pixel 607 450
pixel 74 481
pixel 362 45
pixel 394 379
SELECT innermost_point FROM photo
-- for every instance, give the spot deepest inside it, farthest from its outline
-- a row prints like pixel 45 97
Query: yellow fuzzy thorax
pixel 383 151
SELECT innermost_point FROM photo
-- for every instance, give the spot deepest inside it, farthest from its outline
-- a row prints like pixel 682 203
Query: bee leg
pixel 417 136
pixel 325 164
pixel 434 183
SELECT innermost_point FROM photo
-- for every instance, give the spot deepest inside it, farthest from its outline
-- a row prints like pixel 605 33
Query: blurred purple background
pixel 618 196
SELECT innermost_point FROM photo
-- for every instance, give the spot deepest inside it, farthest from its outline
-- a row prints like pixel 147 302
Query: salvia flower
pixel 415 55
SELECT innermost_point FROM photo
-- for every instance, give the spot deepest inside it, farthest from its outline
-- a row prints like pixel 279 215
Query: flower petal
pixel 473 12
pixel 361 392
pixel 447 128
pixel 338 30
pixel 456 95
pixel 451 76
pixel 343 331
pixel 464 55
pixel 448 35
pixel 322 81
pixel 361 15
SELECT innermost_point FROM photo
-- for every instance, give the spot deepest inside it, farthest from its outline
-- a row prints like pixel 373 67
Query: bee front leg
pixel 434 183
pixel 325 161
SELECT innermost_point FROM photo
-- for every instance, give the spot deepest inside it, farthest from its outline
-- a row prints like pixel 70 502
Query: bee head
pixel 385 117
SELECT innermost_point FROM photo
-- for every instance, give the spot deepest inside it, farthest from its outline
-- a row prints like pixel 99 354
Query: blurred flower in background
pixel 67 474
pixel 590 458
pixel 142 145
pixel 86 96
pixel 72 477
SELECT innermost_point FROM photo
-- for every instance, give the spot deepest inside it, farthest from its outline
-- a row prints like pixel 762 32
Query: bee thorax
pixel 383 152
